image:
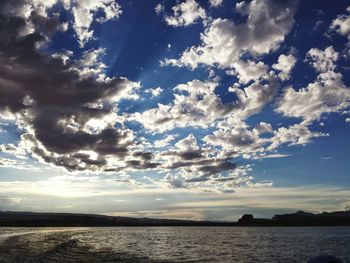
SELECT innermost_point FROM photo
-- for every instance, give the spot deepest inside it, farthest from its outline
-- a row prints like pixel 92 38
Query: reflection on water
pixel 172 244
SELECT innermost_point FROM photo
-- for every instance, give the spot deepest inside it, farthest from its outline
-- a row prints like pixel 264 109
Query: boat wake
pixel 58 246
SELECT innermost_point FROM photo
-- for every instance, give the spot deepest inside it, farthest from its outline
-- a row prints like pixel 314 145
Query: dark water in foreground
pixel 172 244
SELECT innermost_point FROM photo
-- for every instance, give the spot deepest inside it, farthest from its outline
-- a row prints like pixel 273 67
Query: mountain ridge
pixel 299 218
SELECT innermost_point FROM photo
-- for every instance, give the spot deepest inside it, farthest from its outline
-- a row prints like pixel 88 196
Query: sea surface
pixel 172 244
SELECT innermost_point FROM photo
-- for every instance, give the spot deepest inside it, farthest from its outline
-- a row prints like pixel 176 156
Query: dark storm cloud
pixel 141 165
pixel 186 155
pixel 207 169
pixel 146 156
pixel 203 169
pixel 47 94
pixel 190 155
pixel 210 166
pixel 44 25
pixel 223 165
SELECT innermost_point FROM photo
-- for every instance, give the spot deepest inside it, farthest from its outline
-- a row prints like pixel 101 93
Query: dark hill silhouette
pixel 303 218
pixel 70 219
pixel 300 218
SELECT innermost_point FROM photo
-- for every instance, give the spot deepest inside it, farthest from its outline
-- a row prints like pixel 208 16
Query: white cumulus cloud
pixel 185 14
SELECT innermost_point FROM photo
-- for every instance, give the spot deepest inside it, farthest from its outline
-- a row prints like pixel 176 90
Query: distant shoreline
pixel 300 218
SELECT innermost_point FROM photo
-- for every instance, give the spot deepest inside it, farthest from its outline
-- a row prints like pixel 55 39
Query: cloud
pixel 190 165
pixel 185 14
pixel 90 64
pixel 25 17
pixel 86 12
pixel 154 92
pixel 249 70
pixel 86 195
pixel 285 65
pixel 237 138
pixel 242 8
pixel 276 155
pixel 69 112
pixel 185 150
pixel 62 107
pixel 311 198
pixel 323 60
pixel 342 24
pixel 164 142
pixel 327 94
pixel 6 162
pixel 216 3
pixel 224 42
pixel 187 153
pixel 182 214
pixel 212 176
pixel 297 134
pixel 195 104
pixel 159 9
pixel 253 98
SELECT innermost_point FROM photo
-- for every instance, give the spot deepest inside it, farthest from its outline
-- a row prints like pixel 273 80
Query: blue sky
pixel 185 109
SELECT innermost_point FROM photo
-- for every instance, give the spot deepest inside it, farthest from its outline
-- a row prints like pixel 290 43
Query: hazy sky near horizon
pixel 182 109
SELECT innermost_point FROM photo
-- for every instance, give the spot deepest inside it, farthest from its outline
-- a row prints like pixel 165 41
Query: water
pixel 172 244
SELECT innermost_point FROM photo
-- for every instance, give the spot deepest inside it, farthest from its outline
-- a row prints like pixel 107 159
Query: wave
pixel 58 246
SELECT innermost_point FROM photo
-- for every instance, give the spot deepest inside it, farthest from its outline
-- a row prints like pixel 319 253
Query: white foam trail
pixel 5 236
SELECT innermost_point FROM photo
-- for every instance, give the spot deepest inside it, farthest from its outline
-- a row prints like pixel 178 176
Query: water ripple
pixel 172 244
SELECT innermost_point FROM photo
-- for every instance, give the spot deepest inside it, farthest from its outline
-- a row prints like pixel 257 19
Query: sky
pixel 175 109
